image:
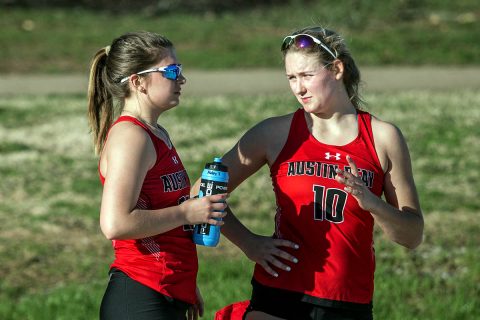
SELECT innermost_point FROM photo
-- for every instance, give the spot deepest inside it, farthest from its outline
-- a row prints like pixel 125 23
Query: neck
pixel 148 120
pixel 136 107
pixel 155 128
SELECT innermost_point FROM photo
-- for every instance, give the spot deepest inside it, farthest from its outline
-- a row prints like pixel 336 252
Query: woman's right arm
pixel 127 166
pixel 260 145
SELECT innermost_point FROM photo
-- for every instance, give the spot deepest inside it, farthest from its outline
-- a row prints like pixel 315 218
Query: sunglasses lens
pixel 172 72
pixel 304 42
pixel 169 74
pixel 300 41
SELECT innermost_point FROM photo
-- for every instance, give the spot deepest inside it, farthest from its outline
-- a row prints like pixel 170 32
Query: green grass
pixel 54 259
pixel 426 32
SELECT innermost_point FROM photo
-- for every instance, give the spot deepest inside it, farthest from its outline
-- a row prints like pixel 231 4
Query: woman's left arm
pixel 400 217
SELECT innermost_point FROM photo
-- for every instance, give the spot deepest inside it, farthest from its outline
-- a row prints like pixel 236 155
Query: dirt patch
pixel 260 81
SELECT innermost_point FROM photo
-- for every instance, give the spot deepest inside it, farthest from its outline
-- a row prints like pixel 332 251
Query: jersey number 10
pixel 328 204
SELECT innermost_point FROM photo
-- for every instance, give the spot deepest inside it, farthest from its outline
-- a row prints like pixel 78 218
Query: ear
pixel 338 68
pixel 137 83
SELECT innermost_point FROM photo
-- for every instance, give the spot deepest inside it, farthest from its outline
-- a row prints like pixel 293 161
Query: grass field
pixel 54 259
pixel 396 32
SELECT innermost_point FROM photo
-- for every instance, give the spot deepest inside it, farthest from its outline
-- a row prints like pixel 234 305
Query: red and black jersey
pixel 166 262
pixel 336 254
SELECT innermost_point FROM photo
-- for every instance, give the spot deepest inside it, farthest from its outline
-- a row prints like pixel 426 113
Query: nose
pixel 181 79
pixel 298 87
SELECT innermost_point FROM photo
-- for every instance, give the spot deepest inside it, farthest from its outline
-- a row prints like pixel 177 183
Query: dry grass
pixel 50 193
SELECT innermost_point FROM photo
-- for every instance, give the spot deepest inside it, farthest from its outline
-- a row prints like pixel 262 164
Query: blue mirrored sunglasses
pixel 304 40
pixel 171 72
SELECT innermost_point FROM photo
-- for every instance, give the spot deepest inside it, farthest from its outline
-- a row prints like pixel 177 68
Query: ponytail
pixel 100 100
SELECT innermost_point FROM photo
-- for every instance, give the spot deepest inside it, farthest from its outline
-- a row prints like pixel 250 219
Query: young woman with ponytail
pixel 145 207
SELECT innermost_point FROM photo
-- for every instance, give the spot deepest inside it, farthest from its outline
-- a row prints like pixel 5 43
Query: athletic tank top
pixel 166 262
pixel 336 255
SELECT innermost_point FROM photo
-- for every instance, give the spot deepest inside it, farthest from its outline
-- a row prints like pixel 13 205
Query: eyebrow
pixel 302 72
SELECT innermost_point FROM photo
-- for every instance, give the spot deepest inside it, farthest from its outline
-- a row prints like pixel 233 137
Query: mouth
pixel 305 99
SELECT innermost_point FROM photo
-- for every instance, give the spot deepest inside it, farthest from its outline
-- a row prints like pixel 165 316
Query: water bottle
pixel 214 181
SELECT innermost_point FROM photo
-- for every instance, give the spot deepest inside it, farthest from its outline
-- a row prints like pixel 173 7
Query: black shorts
pixel 297 306
pixel 126 298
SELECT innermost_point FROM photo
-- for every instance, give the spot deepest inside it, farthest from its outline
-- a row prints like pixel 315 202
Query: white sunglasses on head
pixel 304 40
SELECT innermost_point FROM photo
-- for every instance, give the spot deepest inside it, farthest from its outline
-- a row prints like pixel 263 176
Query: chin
pixel 174 104
pixel 309 108
pixel 170 106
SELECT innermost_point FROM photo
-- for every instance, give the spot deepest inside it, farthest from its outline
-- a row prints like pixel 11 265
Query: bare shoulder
pixel 389 140
pixel 271 126
pixel 271 135
pixel 129 141
pixel 127 134
pixel 260 145
pixel 385 133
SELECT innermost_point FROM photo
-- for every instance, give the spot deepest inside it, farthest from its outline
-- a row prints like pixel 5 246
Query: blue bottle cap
pixel 217 159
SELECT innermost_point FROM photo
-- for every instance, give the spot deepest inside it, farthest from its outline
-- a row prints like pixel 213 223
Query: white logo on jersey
pixel 175 160
pixel 328 156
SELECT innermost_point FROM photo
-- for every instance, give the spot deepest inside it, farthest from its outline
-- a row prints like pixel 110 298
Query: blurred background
pixel 59 36
pixel 420 62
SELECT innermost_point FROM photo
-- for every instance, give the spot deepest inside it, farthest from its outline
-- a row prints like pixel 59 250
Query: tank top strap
pixel 298 132
pixel 365 124
pixel 298 128
pixel 366 133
